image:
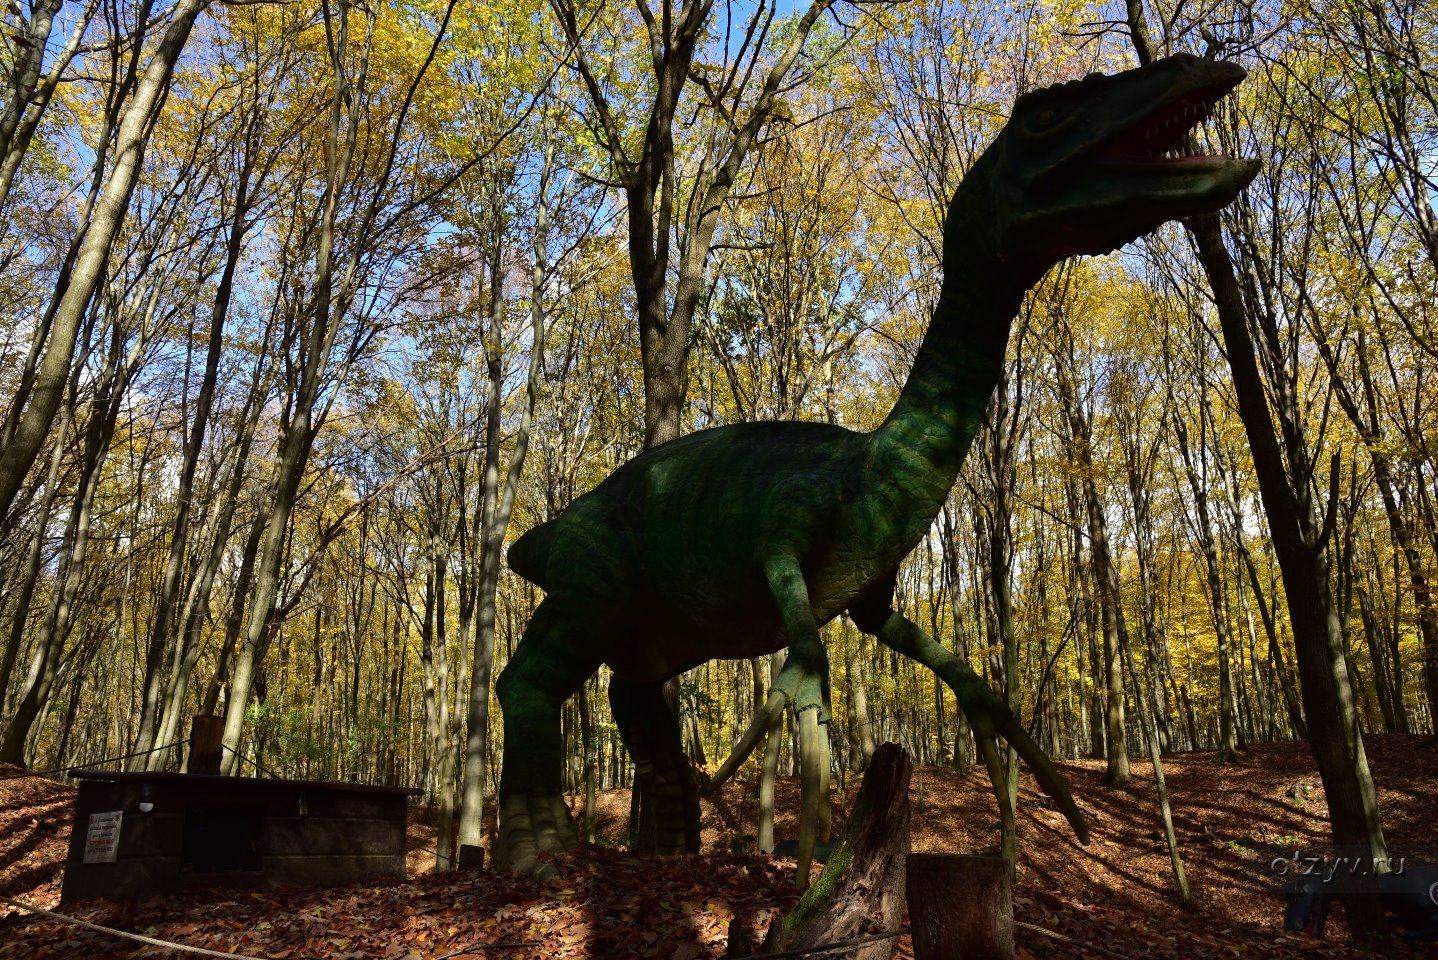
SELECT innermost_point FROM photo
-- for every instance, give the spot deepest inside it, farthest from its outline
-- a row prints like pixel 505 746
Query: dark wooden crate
pixel 234 832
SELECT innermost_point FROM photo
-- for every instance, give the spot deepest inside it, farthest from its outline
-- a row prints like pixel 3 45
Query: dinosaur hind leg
pixel 651 735
pixel 548 665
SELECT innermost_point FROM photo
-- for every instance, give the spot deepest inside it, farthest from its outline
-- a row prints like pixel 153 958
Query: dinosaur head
pixel 1089 165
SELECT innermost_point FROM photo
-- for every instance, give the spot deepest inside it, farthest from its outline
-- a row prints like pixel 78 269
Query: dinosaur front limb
pixel 805 682
pixel 988 715
pixel 813 745
pixel 816 812
pixel 814 788
pixel 764 719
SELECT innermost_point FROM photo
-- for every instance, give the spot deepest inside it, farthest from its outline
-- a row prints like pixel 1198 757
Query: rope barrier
pixel 831 947
pixel 254 763
pixel 450 861
pixel 481 947
pixel 1034 928
pixel 69 767
pixel 126 935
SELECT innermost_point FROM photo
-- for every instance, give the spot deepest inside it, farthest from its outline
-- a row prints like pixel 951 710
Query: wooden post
pixel 960 907
pixel 206 732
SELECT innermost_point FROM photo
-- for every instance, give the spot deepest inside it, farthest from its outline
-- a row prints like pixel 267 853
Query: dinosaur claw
pixel 768 715
pixel 991 718
pixel 805 683
pixel 1047 775
pixel 811 787
pixel 803 688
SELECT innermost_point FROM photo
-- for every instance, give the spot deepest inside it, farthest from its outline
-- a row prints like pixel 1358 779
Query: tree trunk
pixel 861 889
pixel 1195 468
pixel 299 429
pixel 1105 579
pixel 1299 540
pixel 184 494
pixel 48 388
pixel 960 907
pixel 497 504
pixel 31 577
pixel 1165 812
pixel 773 744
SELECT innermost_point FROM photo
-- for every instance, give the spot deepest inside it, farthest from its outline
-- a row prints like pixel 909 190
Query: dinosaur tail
pixel 529 555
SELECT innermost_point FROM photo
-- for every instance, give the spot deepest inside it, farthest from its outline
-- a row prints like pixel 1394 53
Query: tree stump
pixel 960 907
pixel 861 889
pixel 206 734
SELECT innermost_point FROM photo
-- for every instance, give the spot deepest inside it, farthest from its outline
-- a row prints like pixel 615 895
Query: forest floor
pixel 1112 898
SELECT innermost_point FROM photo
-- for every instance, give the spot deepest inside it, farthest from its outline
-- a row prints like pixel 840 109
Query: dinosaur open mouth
pixel 1162 138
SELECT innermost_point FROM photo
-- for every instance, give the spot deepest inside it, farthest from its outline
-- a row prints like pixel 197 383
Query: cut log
pixel 960 907
pixel 206 733
pixel 861 889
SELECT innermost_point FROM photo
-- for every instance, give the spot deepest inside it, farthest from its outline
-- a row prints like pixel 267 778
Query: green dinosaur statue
pixel 741 540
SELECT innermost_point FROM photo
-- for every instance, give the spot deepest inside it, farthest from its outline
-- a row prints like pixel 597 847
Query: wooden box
pixel 136 835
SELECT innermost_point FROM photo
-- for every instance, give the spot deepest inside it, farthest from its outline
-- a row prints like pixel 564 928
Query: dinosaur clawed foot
pixel 804 682
pixel 530 824
pixel 990 719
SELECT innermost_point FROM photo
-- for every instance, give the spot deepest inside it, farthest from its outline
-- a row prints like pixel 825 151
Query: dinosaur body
pixel 671 544
pixel 741 540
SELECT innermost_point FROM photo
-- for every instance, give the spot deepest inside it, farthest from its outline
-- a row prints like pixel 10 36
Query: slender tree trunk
pixel 187 651
pixel 1165 812
pixel 299 430
pixel 998 440
pixel 235 621
pixel 1361 407
pixel 1105 578
pixel 769 772
pixel 1229 742
pixel 963 734
pixel 194 443
pixel 1299 539
pixel 31 576
pixel 44 668
pixel 1138 468
pixel 31 92
pixel 24 445
pixel 497 503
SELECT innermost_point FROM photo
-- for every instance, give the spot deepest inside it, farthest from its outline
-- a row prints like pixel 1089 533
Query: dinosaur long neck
pixel 921 445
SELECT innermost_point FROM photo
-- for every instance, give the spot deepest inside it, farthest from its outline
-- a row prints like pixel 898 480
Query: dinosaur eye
pixel 1046 117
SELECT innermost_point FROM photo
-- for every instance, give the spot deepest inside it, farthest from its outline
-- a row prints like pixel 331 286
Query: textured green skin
pixel 741 540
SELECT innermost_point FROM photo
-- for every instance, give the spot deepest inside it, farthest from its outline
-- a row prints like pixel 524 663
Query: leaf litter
pixel 1113 897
